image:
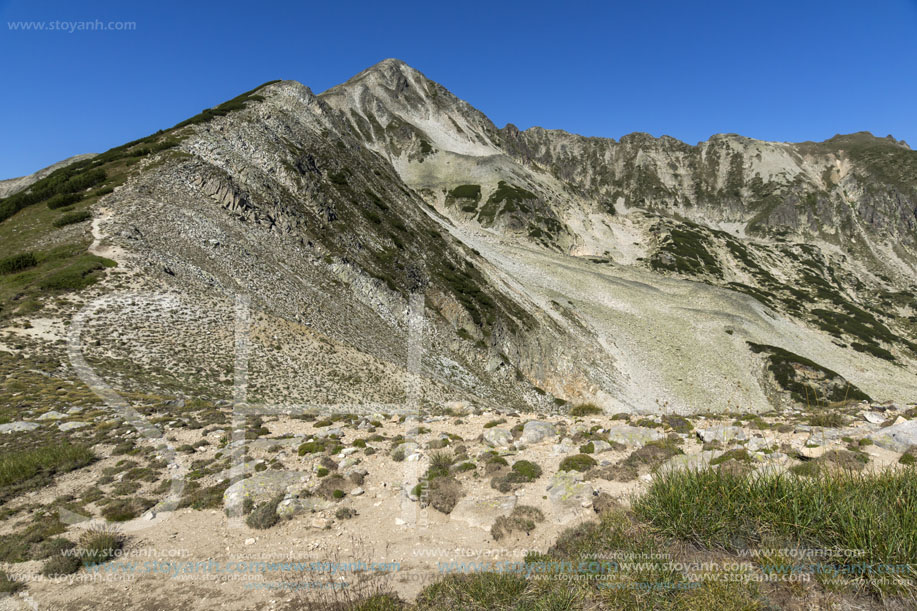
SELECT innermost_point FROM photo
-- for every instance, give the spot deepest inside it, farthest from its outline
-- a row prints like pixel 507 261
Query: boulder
pixel 899 437
pixel 633 435
pixel 18 427
pixel 723 434
pixel 568 492
pixel 480 512
pixel 261 486
pixel 498 438
pixel 70 426
pixel 293 506
pixel 536 431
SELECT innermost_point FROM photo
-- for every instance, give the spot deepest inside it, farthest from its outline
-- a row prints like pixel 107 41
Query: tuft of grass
pixel 842 510
pixel 100 545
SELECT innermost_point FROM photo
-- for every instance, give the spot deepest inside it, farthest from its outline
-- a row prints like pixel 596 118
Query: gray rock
pixel 70 426
pixel 723 434
pixel 497 438
pixel 898 437
pixel 329 432
pixel 536 431
pixel 480 512
pixel 633 435
pixel 293 506
pixel 52 415
pixel 18 427
pixel 874 417
pixel 600 446
pixel 568 492
pixel 261 486
pixel 566 446
pixel 693 462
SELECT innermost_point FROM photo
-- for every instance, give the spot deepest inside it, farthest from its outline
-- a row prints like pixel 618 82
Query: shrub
pixel 60 565
pixel 585 409
pixel 338 494
pixel 527 470
pixel 264 515
pixel 17 263
pixel 71 218
pixel 9 585
pixel 63 199
pixel 577 462
pixel 311 447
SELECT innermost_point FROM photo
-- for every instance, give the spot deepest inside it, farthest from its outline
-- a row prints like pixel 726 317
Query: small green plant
pixel 100 545
pixel 338 494
pixel 577 462
pixel 322 471
pixel 9 585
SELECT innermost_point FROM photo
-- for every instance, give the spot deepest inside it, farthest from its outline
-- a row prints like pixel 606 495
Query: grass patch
pixel 34 468
pixel 843 510
pixel 264 515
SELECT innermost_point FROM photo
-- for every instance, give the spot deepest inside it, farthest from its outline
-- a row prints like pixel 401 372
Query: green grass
pixel 844 510
pixel 9 585
pixel 17 469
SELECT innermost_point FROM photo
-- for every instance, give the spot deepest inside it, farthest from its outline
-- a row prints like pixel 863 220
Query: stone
pixel 633 435
pixel 599 446
pixel 480 512
pixel 873 417
pixel 18 427
pixel 261 486
pixel 567 491
pixel 566 446
pixel 757 443
pixel 250 541
pixel 693 462
pixel 70 426
pixel 899 437
pixel 356 492
pixel 723 434
pixel 536 431
pixel 320 523
pixel 52 415
pixel 292 506
pixel 811 451
pixel 497 437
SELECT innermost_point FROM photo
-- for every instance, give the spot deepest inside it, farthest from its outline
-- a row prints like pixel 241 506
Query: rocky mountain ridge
pixel 642 274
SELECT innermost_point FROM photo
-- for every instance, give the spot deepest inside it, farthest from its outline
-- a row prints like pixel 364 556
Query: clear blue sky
pixel 778 70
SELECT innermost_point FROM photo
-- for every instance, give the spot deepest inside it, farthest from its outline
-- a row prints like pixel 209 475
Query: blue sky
pixel 771 70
